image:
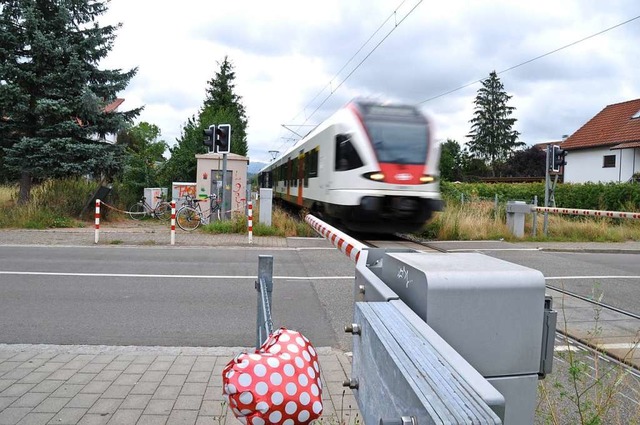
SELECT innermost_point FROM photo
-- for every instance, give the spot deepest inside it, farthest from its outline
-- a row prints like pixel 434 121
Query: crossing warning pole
pixel 97 217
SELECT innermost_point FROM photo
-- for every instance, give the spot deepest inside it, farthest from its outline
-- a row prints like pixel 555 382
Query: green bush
pixel 593 196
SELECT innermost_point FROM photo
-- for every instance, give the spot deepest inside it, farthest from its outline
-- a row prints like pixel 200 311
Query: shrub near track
pixel 593 196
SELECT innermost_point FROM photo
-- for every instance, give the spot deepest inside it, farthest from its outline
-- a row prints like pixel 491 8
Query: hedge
pixel 594 196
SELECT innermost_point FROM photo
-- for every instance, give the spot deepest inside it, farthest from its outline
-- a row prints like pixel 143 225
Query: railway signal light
pixel 558 158
pixel 224 138
pixel 209 137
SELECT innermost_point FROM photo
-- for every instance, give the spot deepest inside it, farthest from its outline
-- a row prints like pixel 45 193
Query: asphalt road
pixel 616 277
pixel 167 296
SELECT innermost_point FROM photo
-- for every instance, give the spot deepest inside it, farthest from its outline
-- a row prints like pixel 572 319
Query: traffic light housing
pixel 224 138
pixel 210 137
pixel 558 158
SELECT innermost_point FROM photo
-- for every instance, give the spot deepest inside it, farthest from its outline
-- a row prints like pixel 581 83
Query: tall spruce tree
pixel 52 93
pixel 492 136
pixel 221 106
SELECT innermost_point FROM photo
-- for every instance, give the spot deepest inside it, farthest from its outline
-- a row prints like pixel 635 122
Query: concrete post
pixel 516 211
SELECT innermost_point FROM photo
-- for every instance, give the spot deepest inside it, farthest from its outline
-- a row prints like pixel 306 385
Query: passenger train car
pixel 372 167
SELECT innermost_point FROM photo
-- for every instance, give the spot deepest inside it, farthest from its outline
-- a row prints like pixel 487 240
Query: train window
pixel 313 163
pixel 294 172
pixel 346 156
pixel 307 159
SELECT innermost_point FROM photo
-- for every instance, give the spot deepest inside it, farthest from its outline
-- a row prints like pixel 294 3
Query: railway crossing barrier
pixel 445 338
pixel 516 211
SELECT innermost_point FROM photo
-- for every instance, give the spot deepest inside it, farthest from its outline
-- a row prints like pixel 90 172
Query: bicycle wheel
pixel 163 211
pixel 137 211
pixel 188 219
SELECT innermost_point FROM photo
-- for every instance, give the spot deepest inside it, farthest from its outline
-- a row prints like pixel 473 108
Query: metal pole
pixel 535 217
pixel 546 193
pixel 224 187
pixel 265 277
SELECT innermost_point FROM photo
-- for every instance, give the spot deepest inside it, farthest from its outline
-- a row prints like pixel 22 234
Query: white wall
pixel 586 165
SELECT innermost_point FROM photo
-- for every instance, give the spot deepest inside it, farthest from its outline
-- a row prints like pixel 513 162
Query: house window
pixel 636 115
pixel 609 161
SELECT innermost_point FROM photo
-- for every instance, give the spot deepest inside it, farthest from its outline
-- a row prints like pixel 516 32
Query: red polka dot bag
pixel 278 384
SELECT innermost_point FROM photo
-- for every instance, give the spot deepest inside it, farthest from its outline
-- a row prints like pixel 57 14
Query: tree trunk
pixel 25 188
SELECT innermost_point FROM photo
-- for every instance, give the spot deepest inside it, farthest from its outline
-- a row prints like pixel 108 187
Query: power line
pixel 531 60
pixel 352 57
pixel 393 14
pixel 365 58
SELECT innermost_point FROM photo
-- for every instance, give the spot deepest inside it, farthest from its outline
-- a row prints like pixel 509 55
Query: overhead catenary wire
pixel 352 57
pixel 532 60
pixel 364 59
pixel 397 23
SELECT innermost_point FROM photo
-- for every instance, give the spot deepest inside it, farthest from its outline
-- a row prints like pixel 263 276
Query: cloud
pixel 298 62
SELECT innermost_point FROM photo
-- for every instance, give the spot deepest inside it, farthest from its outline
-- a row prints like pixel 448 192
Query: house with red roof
pixel 111 107
pixel 607 147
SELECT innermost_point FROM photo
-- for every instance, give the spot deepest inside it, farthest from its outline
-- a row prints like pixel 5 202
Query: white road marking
pixel 171 276
pixel 619 346
pixel 492 249
pixel 590 277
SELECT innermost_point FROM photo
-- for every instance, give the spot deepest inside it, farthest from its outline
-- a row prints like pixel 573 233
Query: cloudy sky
pixel 297 62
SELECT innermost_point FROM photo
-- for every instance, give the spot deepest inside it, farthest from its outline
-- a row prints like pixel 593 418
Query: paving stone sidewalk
pixel 54 384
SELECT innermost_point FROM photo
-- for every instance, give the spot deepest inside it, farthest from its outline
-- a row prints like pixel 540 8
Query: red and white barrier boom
pixel 340 240
pixel 588 213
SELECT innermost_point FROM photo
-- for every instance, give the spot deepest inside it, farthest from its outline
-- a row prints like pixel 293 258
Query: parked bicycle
pixel 141 209
pixel 190 217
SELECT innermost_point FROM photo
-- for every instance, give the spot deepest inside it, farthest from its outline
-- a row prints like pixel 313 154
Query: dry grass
pixel 471 221
pixel 8 194
pixel 575 228
pixel 480 221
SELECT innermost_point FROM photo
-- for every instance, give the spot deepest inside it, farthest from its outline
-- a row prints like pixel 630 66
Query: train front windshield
pixel 399 142
pixel 399 134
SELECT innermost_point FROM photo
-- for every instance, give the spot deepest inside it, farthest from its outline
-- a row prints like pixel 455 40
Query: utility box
pixel 154 195
pixel 179 191
pixel 266 206
pixel 490 311
pixel 210 181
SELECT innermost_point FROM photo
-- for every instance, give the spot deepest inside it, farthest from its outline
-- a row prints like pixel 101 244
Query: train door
pixel 287 179
pixel 300 176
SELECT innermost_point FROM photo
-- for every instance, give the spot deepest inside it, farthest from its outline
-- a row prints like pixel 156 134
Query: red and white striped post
pixel 250 224
pixel 173 222
pixel 97 218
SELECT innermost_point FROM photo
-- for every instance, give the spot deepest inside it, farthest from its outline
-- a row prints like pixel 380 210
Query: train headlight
pixel 427 179
pixel 376 176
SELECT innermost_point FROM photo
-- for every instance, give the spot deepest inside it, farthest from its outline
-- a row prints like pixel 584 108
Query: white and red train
pixel 372 167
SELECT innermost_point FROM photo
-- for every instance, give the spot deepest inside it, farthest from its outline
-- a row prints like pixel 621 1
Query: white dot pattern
pixel 279 384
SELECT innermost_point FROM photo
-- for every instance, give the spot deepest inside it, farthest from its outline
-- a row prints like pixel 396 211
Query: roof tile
pixel 611 126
